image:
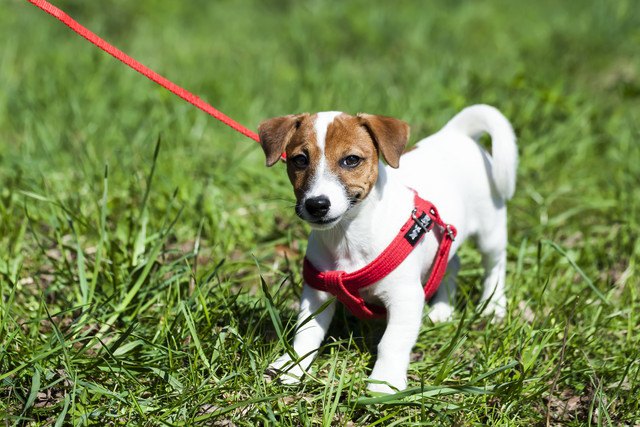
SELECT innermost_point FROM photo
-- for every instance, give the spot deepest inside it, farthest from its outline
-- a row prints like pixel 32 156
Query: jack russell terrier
pixel 377 236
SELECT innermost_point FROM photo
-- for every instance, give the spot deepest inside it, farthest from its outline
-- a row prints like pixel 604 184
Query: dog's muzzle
pixel 317 207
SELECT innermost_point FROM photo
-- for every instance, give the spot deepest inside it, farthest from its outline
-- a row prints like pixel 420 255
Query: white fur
pixel 478 119
pixel 324 182
pixel 468 187
pixel 323 120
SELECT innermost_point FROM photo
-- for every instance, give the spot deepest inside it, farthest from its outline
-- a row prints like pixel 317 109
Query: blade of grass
pixel 103 234
pixel 328 418
pixel 194 334
pixel 235 406
pixel 576 267
pixel 80 265
pixel 417 393
pixel 63 414
pixel 143 219
pixel 33 392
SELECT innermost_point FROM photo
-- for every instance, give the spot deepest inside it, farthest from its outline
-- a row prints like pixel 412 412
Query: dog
pixel 355 206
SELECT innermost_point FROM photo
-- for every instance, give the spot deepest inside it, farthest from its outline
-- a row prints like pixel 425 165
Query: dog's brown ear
pixel 276 133
pixel 390 135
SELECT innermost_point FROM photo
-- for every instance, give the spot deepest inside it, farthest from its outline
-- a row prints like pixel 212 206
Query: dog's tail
pixel 478 119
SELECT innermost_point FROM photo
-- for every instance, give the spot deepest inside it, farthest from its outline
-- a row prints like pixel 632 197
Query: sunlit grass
pixel 150 264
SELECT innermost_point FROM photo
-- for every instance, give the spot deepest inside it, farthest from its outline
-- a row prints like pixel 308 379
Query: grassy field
pixel 150 264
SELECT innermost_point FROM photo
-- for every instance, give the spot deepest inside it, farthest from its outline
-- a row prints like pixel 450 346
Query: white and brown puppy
pixel 355 206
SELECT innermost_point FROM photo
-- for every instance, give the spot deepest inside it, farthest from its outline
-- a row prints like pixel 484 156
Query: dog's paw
pixel 441 312
pixel 386 382
pixel 496 307
pixel 285 370
pixel 380 388
pixel 387 387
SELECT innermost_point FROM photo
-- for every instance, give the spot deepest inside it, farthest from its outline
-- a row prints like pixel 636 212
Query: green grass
pixel 135 231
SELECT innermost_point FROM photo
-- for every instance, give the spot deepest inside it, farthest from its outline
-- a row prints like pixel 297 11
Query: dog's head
pixel 332 158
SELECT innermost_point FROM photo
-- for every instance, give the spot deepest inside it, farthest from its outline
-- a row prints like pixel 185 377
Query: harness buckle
pixel 425 224
pixel 449 231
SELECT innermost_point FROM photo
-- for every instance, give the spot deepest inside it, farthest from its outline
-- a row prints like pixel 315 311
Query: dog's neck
pixel 368 227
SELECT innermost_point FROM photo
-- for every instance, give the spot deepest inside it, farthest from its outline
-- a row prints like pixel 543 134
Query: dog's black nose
pixel 317 206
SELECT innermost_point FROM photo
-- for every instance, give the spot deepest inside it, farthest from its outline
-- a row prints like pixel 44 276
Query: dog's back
pixel 469 186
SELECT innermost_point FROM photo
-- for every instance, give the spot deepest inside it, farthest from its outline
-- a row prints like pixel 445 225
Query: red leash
pixel 147 72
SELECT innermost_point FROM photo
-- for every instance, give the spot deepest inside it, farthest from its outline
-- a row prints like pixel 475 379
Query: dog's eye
pixel 300 161
pixel 350 161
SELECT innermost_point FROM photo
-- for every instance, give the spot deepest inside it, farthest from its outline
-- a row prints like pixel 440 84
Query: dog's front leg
pixel 404 316
pixel 309 335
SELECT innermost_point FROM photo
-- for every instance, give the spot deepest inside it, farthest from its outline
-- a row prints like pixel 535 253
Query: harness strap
pixel 346 286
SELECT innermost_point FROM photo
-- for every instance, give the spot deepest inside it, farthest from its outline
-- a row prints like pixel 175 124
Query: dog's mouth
pixel 322 223
pixel 325 222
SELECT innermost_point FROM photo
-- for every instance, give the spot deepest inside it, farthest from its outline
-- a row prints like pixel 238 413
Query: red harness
pixel 346 286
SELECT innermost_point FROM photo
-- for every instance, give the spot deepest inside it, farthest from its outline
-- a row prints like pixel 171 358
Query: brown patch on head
pixel 295 136
pixel 276 133
pixel 352 148
pixel 390 135
pixel 303 143
pixel 346 141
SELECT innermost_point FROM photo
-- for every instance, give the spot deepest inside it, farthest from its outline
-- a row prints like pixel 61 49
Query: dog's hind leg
pixel 309 335
pixel 493 294
pixel 442 303
pixel 494 261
